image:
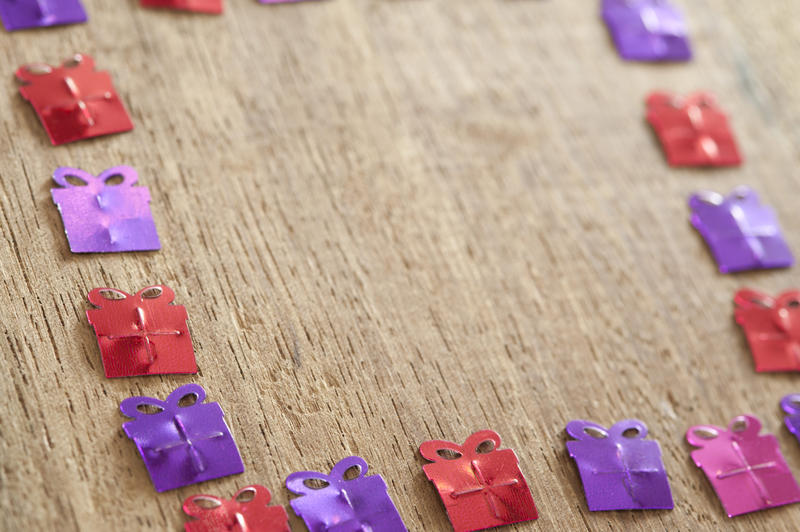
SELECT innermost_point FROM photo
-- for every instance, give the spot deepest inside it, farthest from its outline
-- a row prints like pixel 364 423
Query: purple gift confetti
pixel 742 233
pixel 336 503
pixel 620 470
pixel 181 442
pixel 791 405
pixel 24 14
pixel 101 216
pixel 647 30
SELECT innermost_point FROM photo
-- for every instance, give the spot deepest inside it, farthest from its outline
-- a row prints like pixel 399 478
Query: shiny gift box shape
pixel 620 470
pixel 103 216
pixel 141 334
pixel 480 484
pixel 647 30
pixel 181 440
pixel 247 511
pixel 772 327
pixel 25 14
pixel 791 405
pixel 693 130
pixel 213 7
pixel 73 101
pixel 336 503
pixel 742 233
pixel 746 469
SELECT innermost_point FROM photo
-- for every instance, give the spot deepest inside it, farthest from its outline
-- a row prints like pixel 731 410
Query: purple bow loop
pixel 297 482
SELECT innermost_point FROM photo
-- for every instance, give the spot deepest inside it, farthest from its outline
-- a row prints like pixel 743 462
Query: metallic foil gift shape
pixel 647 30
pixel 181 445
pixel 620 470
pixel 101 216
pixel 791 405
pixel 73 101
pixel 746 470
pixel 334 503
pixel 198 6
pixel 742 233
pixel 25 14
pixel 693 131
pixel 141 334
pixel 238 514
pixel 772 327
pixel 480 485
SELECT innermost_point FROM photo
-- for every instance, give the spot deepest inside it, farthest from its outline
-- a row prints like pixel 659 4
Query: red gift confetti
pixel 693 131
pixel 772 326
pixel 141 334
pixel 74 101
pixel 480 484
pixel 247 510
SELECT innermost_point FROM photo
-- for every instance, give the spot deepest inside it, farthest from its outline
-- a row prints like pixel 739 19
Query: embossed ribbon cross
pixel 189 441
pixel 144 333
pixel 749 469
pixel 627 472
pixel 487 488
pixel 78 101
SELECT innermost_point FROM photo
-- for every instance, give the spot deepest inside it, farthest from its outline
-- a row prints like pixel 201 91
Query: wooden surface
pixel 392 221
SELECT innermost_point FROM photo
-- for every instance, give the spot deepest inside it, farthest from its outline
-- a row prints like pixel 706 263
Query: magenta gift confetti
pixel 213 7
pixel 181 440
pixel 620 470
pixel 336 502
pixel 101 215
pixel 747 470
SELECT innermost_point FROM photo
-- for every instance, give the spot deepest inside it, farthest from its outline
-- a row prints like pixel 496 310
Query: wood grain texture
pixel 392 221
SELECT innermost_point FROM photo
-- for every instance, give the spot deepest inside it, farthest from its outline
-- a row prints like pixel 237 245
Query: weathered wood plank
pixel 393 221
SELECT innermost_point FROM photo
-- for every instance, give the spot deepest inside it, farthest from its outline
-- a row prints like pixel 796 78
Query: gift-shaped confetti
pixel 341 502
pixel 620 470
pixel 24 14
pixel 247 511
pixel 102 214
pixel 141 334
pixel 198 6
pixel 742 233
pixel 791 405
pixel 647 30
pixel 747 470
pixel 182 440
pixel 73 101
pixel 772 327
pixel 480 484
pixel 693 131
